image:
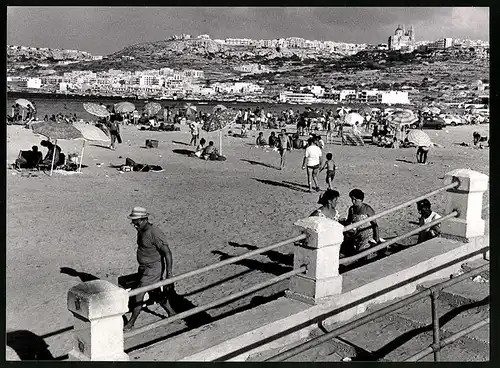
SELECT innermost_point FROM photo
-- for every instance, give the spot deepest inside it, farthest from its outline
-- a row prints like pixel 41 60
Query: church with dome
pixel 402 40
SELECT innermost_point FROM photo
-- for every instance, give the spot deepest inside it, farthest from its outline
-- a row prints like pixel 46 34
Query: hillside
pixel 369 68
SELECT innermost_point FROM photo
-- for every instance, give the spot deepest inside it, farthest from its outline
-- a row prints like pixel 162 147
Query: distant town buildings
pixel 402 40
pixel 312 94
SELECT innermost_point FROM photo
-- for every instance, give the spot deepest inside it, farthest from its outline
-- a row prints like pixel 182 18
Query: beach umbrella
pixel 367 110
pixel 152 108
pixel 24 103
pixel 219 107
pixel 53 130
pixel 419 138
pixel 218 121
pixel 353 118
pixel 89 133
pixel 402 117
pixel 342 111
pixel 190 107
pixel 97 110
pixel 124 107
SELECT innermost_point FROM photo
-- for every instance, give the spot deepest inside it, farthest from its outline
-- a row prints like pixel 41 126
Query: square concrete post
pixel 98 307
pixel 320 253
pixel 467 198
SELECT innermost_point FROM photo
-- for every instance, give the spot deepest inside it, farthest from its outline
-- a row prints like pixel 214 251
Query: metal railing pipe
pixel 448 340
pixel 216 303
pixel 402 205
pixel 231 260
pixel 396 239
pixel 372 316
pixel 436 333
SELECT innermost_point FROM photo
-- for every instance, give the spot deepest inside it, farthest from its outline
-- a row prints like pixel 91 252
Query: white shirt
pixel 313 155
pixel 433 216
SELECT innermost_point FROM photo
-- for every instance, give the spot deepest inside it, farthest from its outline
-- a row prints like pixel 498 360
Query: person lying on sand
pixel 141 167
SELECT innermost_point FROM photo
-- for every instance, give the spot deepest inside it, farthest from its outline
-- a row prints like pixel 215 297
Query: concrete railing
pixel 98 306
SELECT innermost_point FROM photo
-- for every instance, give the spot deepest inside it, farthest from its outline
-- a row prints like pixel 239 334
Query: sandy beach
pixel 208 210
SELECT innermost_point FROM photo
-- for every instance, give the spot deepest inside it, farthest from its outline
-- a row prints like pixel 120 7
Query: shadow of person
pixel 267 267
pixel 99 145
pixel 258 163
pixel 278 184
pixel 286 259
pixel 28 346
pixel 183 152
pixel 84 277
pixel 181 304
pixel 183 143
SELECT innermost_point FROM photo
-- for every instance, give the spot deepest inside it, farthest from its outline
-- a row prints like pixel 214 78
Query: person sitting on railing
pixel 359 239
pixel 328 201
pixel 154 257
pixel 426 216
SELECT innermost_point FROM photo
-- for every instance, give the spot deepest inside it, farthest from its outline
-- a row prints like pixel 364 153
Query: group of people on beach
pixel 22 114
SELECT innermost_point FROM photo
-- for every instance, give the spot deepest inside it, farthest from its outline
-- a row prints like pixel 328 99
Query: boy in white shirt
pixel 427 216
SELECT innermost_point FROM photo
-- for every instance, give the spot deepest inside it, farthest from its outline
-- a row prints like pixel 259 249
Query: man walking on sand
pixel 154 257
pixel 284 144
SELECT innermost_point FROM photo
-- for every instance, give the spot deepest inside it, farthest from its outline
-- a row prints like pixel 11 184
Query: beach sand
pixel 208 210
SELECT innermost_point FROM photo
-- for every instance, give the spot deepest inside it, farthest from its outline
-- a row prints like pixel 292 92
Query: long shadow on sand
pixel 296 184
pixel 407 161
pixel 28 345
pixel 84 277
pixel 183 152
pixel 183 143
pixel 285 259
pixel 259 163
pixel 280 184
pixel 272 268
pixel 99 145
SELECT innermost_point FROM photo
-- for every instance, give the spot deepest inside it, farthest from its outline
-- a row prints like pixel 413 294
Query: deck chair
pixel 25 160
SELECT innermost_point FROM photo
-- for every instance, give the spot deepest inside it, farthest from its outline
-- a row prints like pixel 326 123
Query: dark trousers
pixel 115 136
pixel 421 155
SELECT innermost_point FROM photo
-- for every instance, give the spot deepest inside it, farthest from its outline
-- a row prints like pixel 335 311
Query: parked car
pixel 454 120
pixel 431 123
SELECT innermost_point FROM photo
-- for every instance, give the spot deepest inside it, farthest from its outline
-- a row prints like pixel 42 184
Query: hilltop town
pixel 284 70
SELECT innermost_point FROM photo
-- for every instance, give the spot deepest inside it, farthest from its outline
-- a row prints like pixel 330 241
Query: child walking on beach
pixel 330 169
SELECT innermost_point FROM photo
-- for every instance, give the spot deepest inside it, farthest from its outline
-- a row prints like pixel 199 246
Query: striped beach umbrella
pixel 218 121
pixel 353 118
pixel 419 138
pixel 402 117
pixel 54 130
pixel 124 107
pixel 89 133
pixel 24 103
pixel 152 108
pixel 97 110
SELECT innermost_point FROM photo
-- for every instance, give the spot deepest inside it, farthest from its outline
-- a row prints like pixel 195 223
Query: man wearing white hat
pixel 154 257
